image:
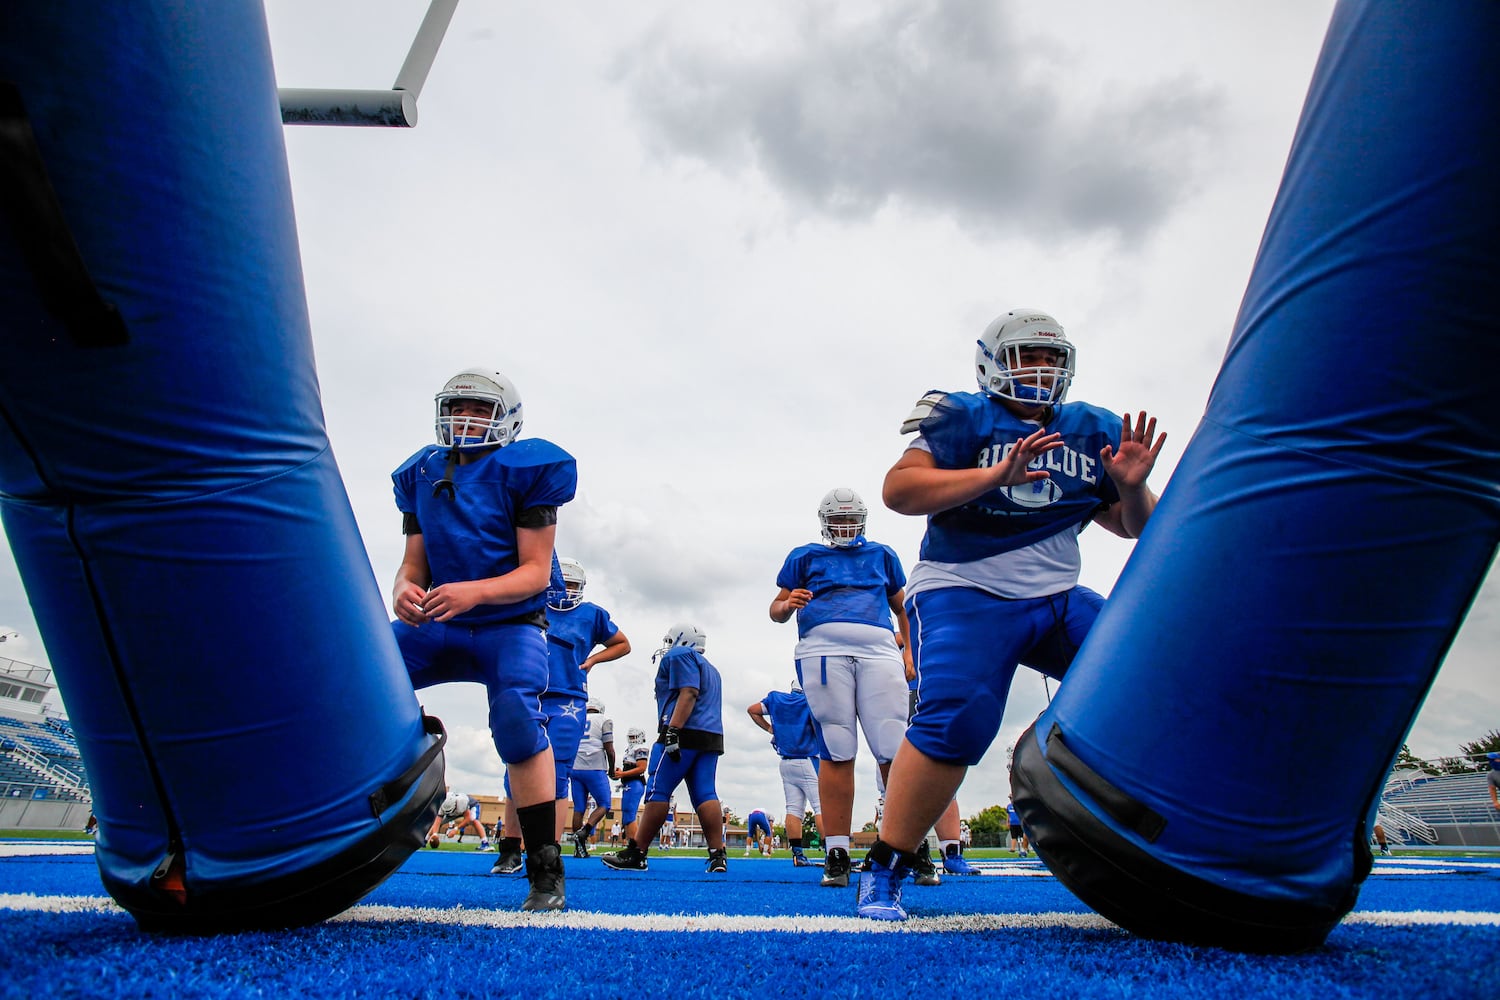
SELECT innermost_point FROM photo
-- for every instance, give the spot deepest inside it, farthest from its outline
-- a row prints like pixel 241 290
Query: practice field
pixel 444 927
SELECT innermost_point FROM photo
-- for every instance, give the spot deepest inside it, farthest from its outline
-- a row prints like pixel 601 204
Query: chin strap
pixel 444 487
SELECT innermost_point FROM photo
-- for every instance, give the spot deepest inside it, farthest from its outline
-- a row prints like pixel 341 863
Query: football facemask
pixel 494 422
pixel 842 515
pixel 1001 370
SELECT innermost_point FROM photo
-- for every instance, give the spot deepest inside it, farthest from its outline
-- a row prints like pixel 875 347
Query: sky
pixel 723 248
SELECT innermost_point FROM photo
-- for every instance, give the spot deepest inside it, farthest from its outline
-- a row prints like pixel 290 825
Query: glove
pixel 671 743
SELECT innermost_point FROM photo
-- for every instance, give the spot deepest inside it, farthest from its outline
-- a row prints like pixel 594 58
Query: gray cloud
pixel 937 105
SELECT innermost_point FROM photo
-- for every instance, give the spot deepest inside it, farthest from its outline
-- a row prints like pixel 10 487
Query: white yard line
pixel 723 923
pixel 29 848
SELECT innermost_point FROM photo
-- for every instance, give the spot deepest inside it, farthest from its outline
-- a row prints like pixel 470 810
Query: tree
pixel 1407 759
pixel 1470 757
pixel 809 829
pixel 990 826
pixel 1488 743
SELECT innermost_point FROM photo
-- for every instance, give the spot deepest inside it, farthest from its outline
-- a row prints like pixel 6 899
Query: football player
pixel 851 662
pixel 1008 477
pixel 580 636
pixel 479 511
pixel 1493 759
pixel 591 770
pixel 461 813
pixel 632 777
pixel 795 738
pixel 757 831
pixel 690 720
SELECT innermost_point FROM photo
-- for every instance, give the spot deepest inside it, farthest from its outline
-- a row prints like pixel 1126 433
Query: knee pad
pixel 888 736
pixel 516 727
pixel 841 743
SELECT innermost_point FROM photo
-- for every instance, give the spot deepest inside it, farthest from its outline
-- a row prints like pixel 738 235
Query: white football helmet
pixel 499 428
pixel 682 634
pixel 452 807
pixel 850 512
pixel 595 705
pixel 998 365
pixel 636 735
pixel 574 579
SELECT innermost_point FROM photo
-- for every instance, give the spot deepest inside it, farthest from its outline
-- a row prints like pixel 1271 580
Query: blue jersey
pixel 472 535
pixel 794 733
pixel 685 667
pixel 571 637
pixel 967 430
pixel 849 584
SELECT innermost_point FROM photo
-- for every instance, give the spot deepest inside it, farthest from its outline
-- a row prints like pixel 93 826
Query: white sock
pixel 832 843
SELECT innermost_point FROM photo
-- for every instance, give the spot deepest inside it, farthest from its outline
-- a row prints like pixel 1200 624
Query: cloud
pixel 937 105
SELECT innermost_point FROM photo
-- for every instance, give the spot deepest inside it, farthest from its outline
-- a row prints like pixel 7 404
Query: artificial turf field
pixel 1425 927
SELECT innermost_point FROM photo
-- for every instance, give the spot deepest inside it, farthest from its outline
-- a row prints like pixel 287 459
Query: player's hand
pixel 671 743
pixel 407 601
pixel 1013 469
pixel 798 599
pixel 1131 464
pixel 443 602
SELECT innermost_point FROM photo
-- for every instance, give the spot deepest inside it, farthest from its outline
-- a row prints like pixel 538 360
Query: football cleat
pixel 924 872
pixel 632 858
pixel 836 869
pixel 544 868
pixel 508 863
pixel 954 862
pixel 717 862
pixel 580 844
pixel 799 860
pixel 880 893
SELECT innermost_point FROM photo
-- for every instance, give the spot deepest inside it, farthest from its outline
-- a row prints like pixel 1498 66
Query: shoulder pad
pixel 534 452
pixel 919 412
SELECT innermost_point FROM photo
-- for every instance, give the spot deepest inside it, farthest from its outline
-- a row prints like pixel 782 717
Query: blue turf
pixel 106 956
pixel 678 884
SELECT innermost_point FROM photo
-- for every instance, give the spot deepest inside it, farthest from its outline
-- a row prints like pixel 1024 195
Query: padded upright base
pixel 1146 896
pixel 296 898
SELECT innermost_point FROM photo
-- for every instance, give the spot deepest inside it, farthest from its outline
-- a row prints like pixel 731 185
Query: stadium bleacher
pixel 1456 806
pixel 50 747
